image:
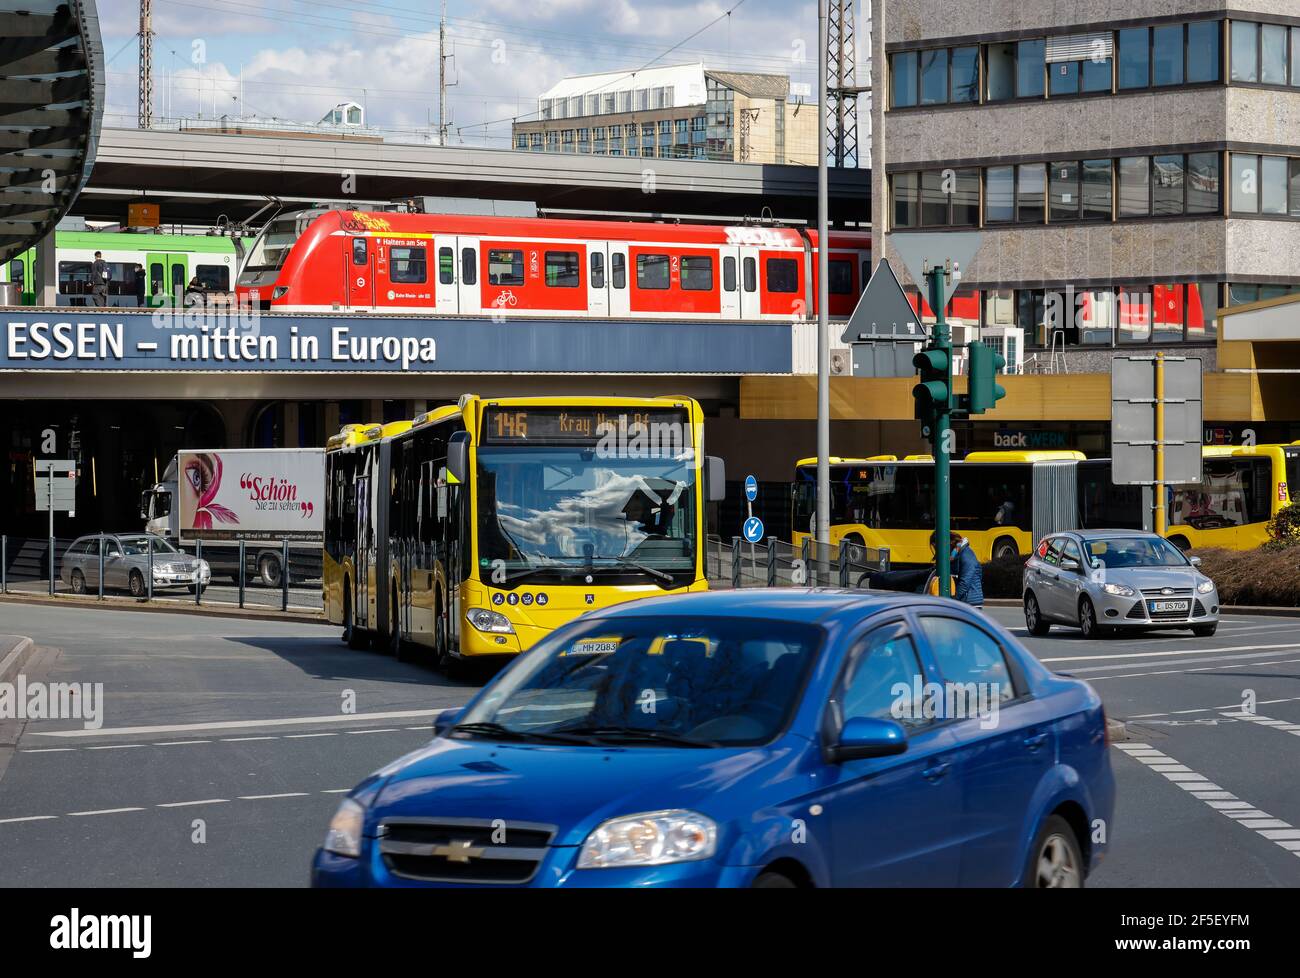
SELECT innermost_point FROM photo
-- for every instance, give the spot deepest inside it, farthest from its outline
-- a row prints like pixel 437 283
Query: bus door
pixel 620 304
pixel 447 502
pixel 749 294
pixel 446 294
pixel 364 553
pixel 359 272
pixel 468 290
pixel 165 279
pixel 598 279
pixel 730 283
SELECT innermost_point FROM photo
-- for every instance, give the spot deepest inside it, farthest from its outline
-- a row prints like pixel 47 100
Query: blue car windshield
pixel 1117 552
pixel 659 681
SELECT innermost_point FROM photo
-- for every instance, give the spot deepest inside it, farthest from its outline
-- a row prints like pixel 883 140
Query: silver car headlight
pixel 344 835
pixel 650 839
pixel 1123 590
pixel 1205 587
pixel 486 620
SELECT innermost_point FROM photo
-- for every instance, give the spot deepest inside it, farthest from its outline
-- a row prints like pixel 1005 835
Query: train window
pixel 652 271
pixel 618 269
pixel 729 274
pixel 468 267
pixel 410 265
pixel 156 284
pixel 178 279
pixel 782 275
pixel 74 277
pixel 359 251
pixel 751 274
pixel 216 277
pixel 697 273
pixel 16 271
pixel 505 268
pixel 446 266
pixel 562 269
pixel 839 278
pixel 597 270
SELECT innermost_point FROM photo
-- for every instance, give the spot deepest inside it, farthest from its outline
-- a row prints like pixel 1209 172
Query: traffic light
pixel 983 364
pixel 934 393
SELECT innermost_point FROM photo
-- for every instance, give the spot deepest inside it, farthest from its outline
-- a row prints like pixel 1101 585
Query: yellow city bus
pixel 1005 501
pixel 478 528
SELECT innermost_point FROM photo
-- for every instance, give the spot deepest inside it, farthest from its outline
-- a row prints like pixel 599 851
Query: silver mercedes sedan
pixel 127 562
pixel 1102 581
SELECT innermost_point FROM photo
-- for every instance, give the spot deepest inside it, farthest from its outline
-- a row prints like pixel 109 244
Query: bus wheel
pixel 1181 542
pixel 1004 548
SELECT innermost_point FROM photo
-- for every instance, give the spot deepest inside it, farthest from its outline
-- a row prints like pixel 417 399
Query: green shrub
pixel 1285 526
pixel 1004 578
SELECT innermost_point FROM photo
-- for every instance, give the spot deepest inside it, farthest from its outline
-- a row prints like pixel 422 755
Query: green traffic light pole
pixel 940 438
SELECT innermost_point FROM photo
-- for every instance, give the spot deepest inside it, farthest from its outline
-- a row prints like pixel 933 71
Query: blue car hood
pixel 573 788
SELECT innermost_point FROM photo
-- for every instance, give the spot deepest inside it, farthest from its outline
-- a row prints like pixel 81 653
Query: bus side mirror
pixel 715 478
pixel 458 458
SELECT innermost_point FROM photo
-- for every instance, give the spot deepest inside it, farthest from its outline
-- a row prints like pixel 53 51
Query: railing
pixel 776 563
pixel 266 574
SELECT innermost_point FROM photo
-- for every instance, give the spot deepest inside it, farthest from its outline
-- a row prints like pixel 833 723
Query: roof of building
pixel 755 86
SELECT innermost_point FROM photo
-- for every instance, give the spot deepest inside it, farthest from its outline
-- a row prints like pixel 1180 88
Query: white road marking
pixel 171 743
pixel 305 736
pixel 1223 802
pixel 286 794
pixel 186 804
pixel 244 740
pixel 221 740
pixel 108 811
pixel 27 818
pixel 335 791
pixel 49 750
pixel 1291 728
pixel 237 724
pixel 1144 655
pixel 379 730
pixel 1179 672
pixel 114 746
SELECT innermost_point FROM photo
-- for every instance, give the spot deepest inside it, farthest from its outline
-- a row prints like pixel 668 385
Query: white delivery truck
pixel 262 496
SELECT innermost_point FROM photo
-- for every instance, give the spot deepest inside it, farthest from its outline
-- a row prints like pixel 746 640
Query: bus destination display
pixel 583 426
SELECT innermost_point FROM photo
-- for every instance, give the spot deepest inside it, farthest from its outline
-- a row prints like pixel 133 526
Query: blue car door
pixel 892 820
pixel 1004 742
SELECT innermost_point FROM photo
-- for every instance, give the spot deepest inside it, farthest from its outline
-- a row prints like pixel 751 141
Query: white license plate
pixel 1168 605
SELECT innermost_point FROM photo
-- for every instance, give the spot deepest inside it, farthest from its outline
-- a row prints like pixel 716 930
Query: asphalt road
pixel 225 744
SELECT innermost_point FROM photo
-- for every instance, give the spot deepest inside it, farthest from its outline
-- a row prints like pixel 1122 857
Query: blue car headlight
pixel 650 839
pixel 344 835
pixel 1206 586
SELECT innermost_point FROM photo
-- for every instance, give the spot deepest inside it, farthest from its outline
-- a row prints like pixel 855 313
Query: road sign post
pixel 55 484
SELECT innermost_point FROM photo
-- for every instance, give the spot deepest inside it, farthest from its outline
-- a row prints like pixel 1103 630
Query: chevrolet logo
pixel 457 851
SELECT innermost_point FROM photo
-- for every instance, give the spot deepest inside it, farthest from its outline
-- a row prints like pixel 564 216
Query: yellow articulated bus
pixel 1005 501
pixel 480 527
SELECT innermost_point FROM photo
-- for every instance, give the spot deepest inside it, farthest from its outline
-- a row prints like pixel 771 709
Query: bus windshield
pixel 558 508
pixel 273 244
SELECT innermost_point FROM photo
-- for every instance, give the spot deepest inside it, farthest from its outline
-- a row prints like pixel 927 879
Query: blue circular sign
pixel 753 529
pixel 751 488
pixel 527 599
pixel 498 598
pixel 541 598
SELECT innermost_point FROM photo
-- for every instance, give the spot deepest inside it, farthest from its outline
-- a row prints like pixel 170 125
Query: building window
pixel 1203 57
pixel 964 69
pixel 1273 45
pixel 1135 58
pixel 1031 193
pixel 1203 183
pixel 999 194
pixel 1135 186
pixel 1065 191
pixel 1167 55
pixel 934 76
pixel 1000 72
pixel 782 275
pixel 1245 51
pixel 1098 190
pixel 906 202
pixel 1167 185
pixel 1263 184
pixel 1031 66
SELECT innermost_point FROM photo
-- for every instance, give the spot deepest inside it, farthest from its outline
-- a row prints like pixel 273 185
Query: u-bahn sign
pixel 158 340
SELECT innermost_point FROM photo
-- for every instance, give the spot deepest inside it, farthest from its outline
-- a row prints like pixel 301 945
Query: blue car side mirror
pixel 869 737
pixel 445 720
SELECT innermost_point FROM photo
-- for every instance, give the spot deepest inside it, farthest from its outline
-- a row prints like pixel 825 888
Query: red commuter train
pixel 447 264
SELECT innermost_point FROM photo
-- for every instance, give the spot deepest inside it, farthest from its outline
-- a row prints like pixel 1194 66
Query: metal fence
pixel 776 563
pixel 270 575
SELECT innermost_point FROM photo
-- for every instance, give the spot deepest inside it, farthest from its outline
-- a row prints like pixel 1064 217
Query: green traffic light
pixel 983 365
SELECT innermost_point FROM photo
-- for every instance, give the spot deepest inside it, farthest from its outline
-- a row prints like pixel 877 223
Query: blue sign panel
pixel 753 529
pixel 751 488
pixel 187 340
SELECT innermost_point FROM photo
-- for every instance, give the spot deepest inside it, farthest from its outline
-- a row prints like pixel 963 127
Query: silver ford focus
pixel 1106 580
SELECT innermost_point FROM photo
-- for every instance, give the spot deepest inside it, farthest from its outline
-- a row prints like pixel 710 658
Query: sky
pixel 298 58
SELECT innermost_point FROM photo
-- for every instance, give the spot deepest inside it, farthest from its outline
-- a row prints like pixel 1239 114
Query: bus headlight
pixel 490 621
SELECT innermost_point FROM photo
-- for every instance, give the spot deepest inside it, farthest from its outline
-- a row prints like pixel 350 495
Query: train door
pixel 445 294
pixel 469 292
pixel 620 305
pixel 749 294
pixel 165 279
pixel 358 271
pixel 597 279
pixel 730 283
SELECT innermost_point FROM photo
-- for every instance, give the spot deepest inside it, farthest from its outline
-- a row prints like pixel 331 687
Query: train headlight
pixel 486 620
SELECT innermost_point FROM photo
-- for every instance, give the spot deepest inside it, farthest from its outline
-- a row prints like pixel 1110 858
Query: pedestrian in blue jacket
pixel 965 567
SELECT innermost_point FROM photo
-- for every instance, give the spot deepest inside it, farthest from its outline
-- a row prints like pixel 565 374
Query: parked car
pixel 127 564
pixel 1106 580
pixel 769 738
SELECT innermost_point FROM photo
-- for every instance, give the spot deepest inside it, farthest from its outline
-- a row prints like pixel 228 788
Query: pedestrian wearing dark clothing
pixel 139 285
pixel 99 281
pixel 965 568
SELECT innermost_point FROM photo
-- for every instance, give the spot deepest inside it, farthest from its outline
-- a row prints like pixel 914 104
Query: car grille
pixel 1137 611
pixel 1159 592
pixel 464 850
pixel 1198 609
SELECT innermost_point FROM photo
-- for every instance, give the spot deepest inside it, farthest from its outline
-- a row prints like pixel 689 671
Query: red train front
pixel 356 261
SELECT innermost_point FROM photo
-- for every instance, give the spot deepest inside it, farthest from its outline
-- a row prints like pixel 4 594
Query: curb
pixel 16 658
pixel 208 611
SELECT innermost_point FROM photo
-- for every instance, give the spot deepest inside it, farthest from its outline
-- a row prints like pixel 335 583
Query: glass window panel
pixel 561 269
pixel 1203 51
pixel 934 201
pixel 1293 184
pixel 1295 55
pixel 1000 68
pixel 697 273
pixel 1167 54
pixel 1202 306
pixel 1135 186
pixel 1064 78
pixel 903 77
pixel 966 199
pixel 965 84
pixel 906 205
pixel 1203 181
pixel 1167 308
pixel 1096 317
pixel 999 194
pixel 934 76
pixel 652 272
pixel 1134 316
pixel 1245 51
pixel 1031 56
pixel 1135 58
pixel 1242 295
pixel 1097 75
pixel 1065 191
pixel 1098 190
pixel 1273 185
pixel 1031 192
pixel 1245 183
pixel 1274 41
pixel 1167 180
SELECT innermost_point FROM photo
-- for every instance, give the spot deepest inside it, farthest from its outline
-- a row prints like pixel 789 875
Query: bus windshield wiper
pixel 635 565
pixel 610 732
pixel 490 729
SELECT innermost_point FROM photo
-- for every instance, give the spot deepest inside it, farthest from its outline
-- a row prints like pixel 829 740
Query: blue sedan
pixel 771 738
